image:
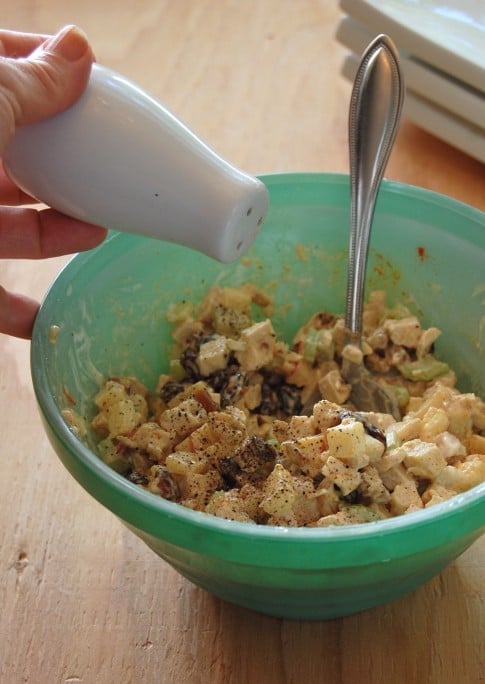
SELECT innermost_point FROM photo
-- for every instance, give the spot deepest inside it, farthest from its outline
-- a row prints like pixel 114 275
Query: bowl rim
pixel 210 532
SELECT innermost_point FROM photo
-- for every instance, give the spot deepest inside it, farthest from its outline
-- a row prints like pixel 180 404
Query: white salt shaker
pixel 119 159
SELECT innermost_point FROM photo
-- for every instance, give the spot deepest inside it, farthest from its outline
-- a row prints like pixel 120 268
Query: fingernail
pixel 70 43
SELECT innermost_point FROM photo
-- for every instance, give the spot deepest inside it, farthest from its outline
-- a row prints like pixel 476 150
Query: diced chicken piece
pixel 232 415
pixel 344 476
pixel 459 410
pixel 408 428
pixel 372 486
pixel 422 459
pixel 301 426
pixel 350 515
pixel 196 489
pixel 183 462
pixel 448 379
pixel 150 437
pixel 301 373
pixel 438 396
pixel 279 492
pixel 326 414
pixel 238 299
pixel 426 341
pixel 229 321
pixel 280 430
pixel 347 442
pixel 405 498
pixel 414 404
pixel 374 449
pixel 225 428
pixel 391 459
pixel 353 353
pixel 307 453
pixel 327 498
pixel 251 395
pixel 476 444
pixel 404 331
pixel 333 388
pixel 198 440
pixel 186 331
pixel 380 420
pixel 221 432
pixel 398 356
pixel 434 421
pixel 259 342
pixel 283 519
pixel 305 506
pixel 111 393
pixel 183 418
pixel 394 476
pixel 464 475
pixel 123 417
pixel 435 494
pixel 213 355
pixel 378 339
pixel 450 446
pixel 228 505
pixel 197 391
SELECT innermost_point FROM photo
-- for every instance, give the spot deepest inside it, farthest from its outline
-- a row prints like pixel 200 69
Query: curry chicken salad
pixel 225 431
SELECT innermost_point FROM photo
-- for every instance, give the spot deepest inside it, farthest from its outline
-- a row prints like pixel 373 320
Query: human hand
pixel 39 76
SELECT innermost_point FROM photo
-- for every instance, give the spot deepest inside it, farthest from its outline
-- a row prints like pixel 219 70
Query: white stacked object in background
pixel 442 52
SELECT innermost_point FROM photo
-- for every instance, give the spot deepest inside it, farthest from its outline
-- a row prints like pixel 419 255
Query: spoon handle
pixel 375 112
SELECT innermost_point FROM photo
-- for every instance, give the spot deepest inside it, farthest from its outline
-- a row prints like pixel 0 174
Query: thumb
pixel 46 82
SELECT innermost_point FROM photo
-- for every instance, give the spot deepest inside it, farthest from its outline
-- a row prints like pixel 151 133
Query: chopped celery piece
pixel 318 345
pixel 401 393
pixel 176 370
pixel 392 440
pixel 425 369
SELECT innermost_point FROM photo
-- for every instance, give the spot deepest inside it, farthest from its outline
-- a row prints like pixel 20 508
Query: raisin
pixel 188 361
pixel 170 390
pixel 137 478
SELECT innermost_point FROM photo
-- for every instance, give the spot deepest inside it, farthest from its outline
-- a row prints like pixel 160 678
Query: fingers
pixel 15 44
pixel 39 76
pixel 43 83
pixel 17 314
pixel 27 233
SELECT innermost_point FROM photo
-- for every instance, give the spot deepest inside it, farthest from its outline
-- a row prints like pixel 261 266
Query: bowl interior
pixel 110 307
pixel 110 304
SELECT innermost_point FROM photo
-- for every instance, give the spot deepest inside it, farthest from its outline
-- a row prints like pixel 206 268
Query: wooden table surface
pixel 81 598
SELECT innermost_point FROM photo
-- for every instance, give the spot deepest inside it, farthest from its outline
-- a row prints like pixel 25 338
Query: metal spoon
pixel 375 112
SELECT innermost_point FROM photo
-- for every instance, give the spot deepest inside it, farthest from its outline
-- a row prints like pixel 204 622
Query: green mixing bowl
pixel 110 305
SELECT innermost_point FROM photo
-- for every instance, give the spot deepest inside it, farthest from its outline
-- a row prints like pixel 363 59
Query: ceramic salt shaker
pixel 120 159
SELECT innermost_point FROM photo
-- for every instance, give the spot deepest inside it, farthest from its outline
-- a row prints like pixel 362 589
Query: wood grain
pixel 82 599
